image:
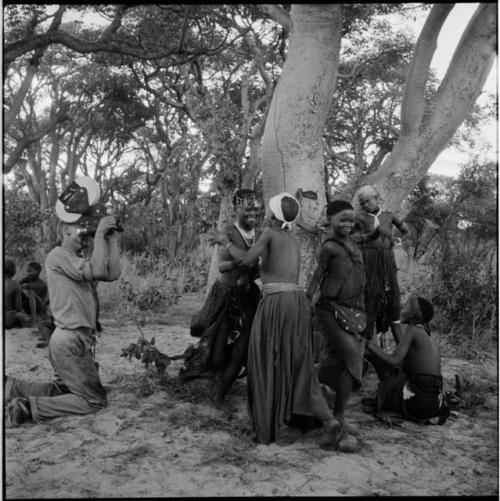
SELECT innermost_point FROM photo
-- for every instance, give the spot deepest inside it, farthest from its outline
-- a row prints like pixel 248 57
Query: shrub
pixel 465 292
pixel 22 222
pixel 150 284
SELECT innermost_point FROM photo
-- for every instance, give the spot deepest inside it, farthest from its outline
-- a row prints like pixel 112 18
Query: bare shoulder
pixel 415 332
pixel 227 228
pixel 332 247
pixel 267 232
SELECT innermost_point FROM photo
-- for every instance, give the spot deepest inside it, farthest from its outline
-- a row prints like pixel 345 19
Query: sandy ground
pixel 160 441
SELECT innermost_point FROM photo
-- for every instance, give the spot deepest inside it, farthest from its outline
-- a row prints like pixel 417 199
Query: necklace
pixel 247 235
pixel 376 222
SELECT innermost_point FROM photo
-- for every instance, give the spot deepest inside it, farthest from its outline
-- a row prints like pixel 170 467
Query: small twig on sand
pixel 300 487
pixel 139 327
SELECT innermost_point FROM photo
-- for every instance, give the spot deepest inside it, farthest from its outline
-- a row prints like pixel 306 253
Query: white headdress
pixel 277 209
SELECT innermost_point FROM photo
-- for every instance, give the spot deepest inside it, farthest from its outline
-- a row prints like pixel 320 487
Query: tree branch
pixel 277 13
pixel 467 72
pixel 17 49
pixel 413 103
pixel 184 28
pixel 42 131
pixel 30 73
pixel 115 24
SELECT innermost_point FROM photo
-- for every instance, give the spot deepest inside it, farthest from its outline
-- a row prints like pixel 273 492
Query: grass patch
pixel 149 286
pixel 474 393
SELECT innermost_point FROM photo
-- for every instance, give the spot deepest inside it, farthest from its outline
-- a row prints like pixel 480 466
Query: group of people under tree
pixel 358 297
pixel 264 328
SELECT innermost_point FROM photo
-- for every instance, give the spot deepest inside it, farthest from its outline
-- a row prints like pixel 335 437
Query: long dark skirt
pixel 223 325
pixel 282 380
pixel 382 296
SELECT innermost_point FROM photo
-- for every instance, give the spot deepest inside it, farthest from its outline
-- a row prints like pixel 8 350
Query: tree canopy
pixel 152 100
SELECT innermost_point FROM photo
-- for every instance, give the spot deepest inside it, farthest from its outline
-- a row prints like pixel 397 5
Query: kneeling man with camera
pixel 71 269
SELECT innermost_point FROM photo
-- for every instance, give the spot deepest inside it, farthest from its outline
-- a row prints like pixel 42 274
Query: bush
pixel 465 294
pixel 21 225
pixel 149 284
pixel 461 275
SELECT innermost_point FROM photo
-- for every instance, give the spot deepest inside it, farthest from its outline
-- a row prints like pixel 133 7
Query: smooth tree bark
pixel 225 217
pixel 292 146
pixel 428 126
pixel 45 128
pixel 250 140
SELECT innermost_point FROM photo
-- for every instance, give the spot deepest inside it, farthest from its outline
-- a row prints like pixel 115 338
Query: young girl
pixel 382 297
pixel 340 311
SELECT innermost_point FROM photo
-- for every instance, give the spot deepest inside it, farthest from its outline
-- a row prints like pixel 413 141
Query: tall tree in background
pixel 292 150
pixel 427 125
pixel 212 70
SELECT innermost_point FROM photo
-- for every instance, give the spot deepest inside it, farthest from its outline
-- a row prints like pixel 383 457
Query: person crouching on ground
pixel 282 381
pixel 77 388
pixel 410 378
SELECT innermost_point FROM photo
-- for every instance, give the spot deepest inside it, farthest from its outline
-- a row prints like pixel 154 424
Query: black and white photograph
pixel 250 250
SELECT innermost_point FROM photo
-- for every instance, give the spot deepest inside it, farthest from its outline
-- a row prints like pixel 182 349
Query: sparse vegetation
pixel 150 286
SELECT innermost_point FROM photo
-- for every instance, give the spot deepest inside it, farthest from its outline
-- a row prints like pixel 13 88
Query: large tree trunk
pixel 426 128
pixel 224 219
pixel 292 148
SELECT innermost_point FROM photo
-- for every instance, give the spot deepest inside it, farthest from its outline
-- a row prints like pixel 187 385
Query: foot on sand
pixel 18 411
pixel 332 433
pixel 288 436
pixel 8 385
pixel 348 443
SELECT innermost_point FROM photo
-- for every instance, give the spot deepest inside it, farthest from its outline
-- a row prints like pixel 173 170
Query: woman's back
pixel 281 258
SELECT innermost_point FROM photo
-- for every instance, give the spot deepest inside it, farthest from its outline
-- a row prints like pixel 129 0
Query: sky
pixel 449 161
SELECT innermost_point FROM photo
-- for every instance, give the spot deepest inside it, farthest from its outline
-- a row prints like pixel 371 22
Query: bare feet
pixel 333 430
pixel 389 419
pixel 287 436
pixel 348 443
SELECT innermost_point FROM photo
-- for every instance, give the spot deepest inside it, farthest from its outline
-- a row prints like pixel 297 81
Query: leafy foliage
pixel 363 124
pixel 21 224
pixel 145 299
pixel 463 279
pixel 148 354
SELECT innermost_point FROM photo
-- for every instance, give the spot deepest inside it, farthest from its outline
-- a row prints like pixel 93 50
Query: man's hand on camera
pixel 106 225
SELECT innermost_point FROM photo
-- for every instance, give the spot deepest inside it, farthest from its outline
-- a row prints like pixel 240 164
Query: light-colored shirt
pixel 69 280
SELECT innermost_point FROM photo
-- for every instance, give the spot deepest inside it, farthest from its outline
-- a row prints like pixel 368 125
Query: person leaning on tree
pixel 76 388
pixel 382 295
pixel 223 324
